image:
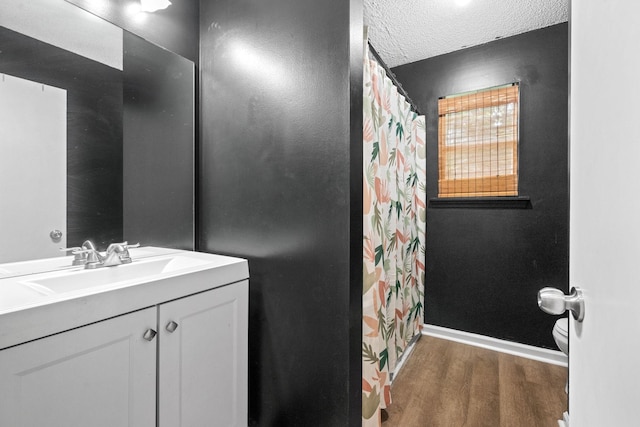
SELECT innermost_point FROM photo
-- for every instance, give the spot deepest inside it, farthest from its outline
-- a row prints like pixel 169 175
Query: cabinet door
pixel 101 375
pixel 203 363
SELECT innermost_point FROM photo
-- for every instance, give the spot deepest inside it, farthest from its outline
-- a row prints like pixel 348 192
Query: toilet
pixel 561 337
pixel 561 334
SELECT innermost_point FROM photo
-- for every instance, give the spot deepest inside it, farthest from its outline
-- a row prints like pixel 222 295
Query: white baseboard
pixel 404 357
pixel 554 357
pixel 564 422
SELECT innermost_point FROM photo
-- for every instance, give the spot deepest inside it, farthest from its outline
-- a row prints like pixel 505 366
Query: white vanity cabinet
pixel 203 363
pixel 112 374
pixel 100 375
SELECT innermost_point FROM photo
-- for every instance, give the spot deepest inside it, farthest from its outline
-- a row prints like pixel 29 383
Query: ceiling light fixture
pixel 153 5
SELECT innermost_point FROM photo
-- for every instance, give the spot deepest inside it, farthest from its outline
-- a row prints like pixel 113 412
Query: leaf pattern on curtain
pixel 394 193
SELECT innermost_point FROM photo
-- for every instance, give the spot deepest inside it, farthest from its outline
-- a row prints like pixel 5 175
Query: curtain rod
pixel 393 78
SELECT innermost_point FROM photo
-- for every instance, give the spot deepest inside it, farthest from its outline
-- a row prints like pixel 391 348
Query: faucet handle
pixel 72 250
pixel 92 257
pixel 80 256
pixel 122 250
pixel 125 245
pixel 126 256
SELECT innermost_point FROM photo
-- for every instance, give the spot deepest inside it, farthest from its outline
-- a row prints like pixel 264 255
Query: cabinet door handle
pixel 149 334
pixel 172 326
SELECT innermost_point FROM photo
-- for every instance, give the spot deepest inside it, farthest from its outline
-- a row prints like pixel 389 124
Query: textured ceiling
pixel 410 30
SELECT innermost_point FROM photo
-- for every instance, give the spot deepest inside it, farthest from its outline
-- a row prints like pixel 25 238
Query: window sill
pixel 520 202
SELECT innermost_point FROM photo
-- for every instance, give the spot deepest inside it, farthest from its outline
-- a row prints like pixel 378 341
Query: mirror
pixel 129 124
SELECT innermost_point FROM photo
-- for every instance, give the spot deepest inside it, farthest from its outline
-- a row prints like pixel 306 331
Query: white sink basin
pixel 77 280
pixel 45 303
pixel 16 295
pixel 22 268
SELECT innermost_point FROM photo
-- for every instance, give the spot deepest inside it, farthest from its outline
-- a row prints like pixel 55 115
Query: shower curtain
pixel 394 232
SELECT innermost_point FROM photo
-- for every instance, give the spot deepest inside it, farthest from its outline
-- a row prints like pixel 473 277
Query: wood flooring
pixel 448 384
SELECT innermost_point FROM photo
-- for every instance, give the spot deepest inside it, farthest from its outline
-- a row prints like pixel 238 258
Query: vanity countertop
pixel 40 304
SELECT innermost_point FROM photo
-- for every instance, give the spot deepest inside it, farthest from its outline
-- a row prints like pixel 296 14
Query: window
pixel 478 143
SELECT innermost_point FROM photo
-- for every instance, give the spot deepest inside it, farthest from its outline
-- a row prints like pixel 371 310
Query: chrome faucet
pixel 116 254
pixel 80 252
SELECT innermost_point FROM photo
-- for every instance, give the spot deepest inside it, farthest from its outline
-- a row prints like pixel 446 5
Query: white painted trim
pixel 564 422
pixel 405 356
pixel 554 357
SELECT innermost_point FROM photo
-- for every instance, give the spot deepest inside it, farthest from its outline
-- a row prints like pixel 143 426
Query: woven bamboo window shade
pixel 478 143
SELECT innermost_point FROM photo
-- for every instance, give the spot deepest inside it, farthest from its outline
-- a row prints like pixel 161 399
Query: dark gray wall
pixel 280 184
pixel 158 129
pixel 485 266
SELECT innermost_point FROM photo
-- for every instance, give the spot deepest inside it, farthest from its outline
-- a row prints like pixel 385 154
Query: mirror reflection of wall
pixel 130 112
pixel 158 162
